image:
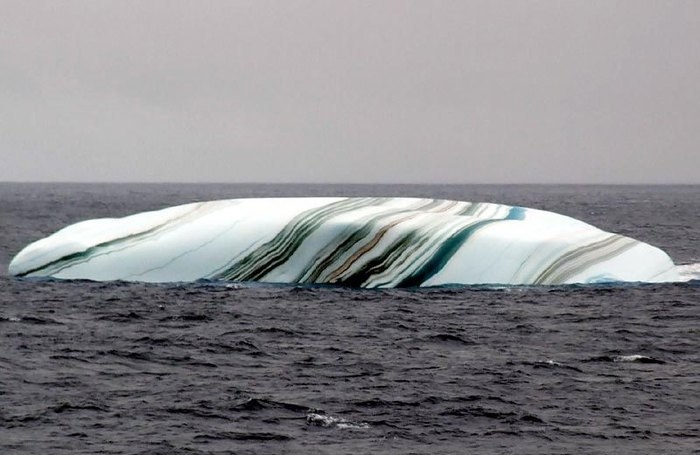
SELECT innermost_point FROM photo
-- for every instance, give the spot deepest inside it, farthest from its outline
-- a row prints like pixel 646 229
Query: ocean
pixel 133 368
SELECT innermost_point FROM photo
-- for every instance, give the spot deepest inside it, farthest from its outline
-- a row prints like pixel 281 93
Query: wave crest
pixel 688 272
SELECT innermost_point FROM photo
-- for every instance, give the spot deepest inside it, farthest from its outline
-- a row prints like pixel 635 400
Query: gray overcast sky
pixel 350 91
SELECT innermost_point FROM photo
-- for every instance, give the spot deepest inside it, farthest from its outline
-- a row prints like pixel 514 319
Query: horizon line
pixel 319 183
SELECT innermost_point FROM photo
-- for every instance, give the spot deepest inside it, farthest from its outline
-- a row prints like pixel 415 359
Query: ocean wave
pixel 688 272
pixel 326 421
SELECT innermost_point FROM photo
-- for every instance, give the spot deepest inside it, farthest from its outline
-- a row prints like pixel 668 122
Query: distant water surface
pixel 97 368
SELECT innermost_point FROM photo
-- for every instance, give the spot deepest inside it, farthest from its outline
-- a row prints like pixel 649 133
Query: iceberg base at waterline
pixel 360 242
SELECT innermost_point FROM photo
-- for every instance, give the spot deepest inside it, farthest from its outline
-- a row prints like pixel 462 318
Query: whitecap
pixel 688 272
pixel 327 421
pixel 629 358
pixel 636 358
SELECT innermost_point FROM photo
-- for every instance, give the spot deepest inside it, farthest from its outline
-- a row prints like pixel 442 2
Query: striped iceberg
pixel 360 242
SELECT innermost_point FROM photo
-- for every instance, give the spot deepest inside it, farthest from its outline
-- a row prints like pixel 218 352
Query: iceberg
pixel 370 242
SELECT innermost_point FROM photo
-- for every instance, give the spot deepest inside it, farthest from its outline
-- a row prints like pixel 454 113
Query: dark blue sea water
pixel 130 368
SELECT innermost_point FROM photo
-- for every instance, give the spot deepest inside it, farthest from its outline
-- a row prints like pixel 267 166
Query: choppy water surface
pixel 207 368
